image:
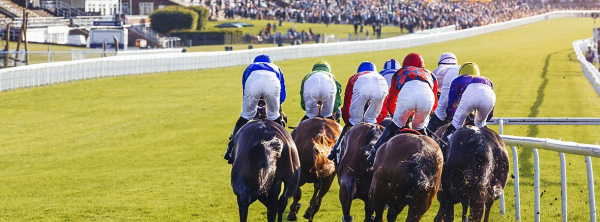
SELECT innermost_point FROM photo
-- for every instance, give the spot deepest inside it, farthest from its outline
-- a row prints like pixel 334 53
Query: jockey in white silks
pixel 321 85
pixel 469 93
pixel 263 79
pixel 446 71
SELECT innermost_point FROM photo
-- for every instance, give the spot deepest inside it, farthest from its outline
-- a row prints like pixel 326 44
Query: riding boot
pixel 241 122
pixel 449 131
pixel 280 121
pixel 337 115
pixel 434 123
pixel 336 147
pixel 388 133
pixel 423 132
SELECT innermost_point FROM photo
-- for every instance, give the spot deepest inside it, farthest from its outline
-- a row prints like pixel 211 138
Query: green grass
pixel 149 147
pixel 36 58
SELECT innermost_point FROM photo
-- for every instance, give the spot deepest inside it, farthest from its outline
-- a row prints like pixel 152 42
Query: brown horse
pixel 407 172
pixel 354 174
pixel 315 138
pixel 475 173
pixel 265 156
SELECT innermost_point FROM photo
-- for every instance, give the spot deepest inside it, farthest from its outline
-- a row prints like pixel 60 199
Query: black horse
pixel 265 157
pixel 474 174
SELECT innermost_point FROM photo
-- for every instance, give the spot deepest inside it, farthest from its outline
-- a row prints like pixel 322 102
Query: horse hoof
pixel 292 218
pixel 347 218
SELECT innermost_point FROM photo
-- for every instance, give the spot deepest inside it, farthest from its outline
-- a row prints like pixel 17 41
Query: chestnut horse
pixel 354 174
pixel 407 172
pixel 475 173
pixel 314 137
pixel 265 156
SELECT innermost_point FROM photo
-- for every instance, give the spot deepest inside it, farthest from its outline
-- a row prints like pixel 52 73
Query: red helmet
pixel 413 59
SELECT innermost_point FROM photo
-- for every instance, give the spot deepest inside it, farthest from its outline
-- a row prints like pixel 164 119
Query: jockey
pixel 469 92
pixel 320 85
pixel 389 68
pixel 364 87
pixel 446 71
pixel 263 79
pixel 412 91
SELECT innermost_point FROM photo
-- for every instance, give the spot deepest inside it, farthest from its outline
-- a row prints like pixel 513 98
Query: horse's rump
pixel 315 138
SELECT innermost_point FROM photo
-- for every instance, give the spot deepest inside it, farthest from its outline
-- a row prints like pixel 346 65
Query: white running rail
pixel 561 147
pixel 589 69
pixel 60 72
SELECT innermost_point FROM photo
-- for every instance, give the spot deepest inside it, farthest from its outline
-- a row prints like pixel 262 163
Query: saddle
pixel 407 130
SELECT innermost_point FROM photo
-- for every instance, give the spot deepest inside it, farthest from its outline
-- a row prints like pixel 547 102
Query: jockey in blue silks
pixel 389 69
pixel 261 79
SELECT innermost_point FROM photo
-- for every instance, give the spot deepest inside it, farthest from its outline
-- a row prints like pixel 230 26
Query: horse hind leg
pixel 488 207
pixel 393 212
pixel 476 210
pixel 295 206
pixel 325 186
pixel 243 204
pixel 347 192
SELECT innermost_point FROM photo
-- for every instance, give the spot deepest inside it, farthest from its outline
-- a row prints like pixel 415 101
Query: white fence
pixel 589 69
pixel 48 74
pixel 561 147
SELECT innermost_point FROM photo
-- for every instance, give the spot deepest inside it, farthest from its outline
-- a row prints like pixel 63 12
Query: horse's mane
pixel 322 147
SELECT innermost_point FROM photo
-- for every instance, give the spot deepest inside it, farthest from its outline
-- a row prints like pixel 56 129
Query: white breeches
pixel 370 88
pixel 450 74
pixel 477 97
pixel 261 83
pixel 416 96
pixel 319 86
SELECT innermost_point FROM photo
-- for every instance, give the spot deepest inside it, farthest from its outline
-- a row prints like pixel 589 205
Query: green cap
pixel 321 66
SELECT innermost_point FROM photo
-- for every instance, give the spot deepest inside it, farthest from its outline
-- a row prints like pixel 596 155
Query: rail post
pixel 516 186
pixel 502 206
pixel 536 185
pixel 592 195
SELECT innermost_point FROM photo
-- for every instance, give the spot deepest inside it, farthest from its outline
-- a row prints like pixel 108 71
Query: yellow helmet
pixel 321 66
pixel 469 68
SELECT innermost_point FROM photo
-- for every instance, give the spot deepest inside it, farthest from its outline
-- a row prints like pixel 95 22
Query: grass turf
pixel 149 147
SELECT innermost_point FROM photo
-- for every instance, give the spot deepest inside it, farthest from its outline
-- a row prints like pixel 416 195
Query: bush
pixel 173 18
pixel 202 16
pixel 209 37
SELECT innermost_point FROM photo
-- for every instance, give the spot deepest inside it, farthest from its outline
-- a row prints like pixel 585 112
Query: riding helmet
pixel 448 58
pixel 321 66
pixel 413 59
pixel 469 68
pixel 391 64
pixel 263 58
pixel 367 66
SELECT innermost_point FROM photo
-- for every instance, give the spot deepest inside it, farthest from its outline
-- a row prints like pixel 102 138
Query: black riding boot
pixel 333 154
pixel 388 133
pixel 423 132
pixel 434 123
pixel 304 118
pixel 241 122
pixel 450 130
pixel 280 121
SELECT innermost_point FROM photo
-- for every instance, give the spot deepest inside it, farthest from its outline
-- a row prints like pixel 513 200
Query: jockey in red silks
pixel 321 85
pixel 412 91
pixel 365 87
pixel 469 92
pixel 446 71
pixel 263 79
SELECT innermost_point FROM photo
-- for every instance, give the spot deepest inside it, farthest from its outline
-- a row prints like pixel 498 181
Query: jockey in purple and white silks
pixel 321 85
pixel 469 92
pixel 389 69
pixel 263 79
pixel 446 71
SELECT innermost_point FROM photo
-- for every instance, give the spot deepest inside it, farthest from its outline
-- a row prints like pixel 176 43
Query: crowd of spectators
pixel 408 15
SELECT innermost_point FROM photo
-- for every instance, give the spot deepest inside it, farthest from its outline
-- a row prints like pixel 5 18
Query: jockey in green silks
pixel 321 85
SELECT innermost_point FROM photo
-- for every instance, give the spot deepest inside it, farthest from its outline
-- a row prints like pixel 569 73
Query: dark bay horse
pixel 475 173
pixel 354 174
pixel 265 158
pixel 314 137
pixel 407 172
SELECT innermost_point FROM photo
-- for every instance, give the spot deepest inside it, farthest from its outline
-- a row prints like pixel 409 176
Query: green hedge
pixel 173 18
pixel 231 36
pixel 202 16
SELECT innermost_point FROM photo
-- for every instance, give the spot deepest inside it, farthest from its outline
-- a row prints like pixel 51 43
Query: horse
pixel 407 172
pixel 474 174
pixel 315 138
pixel 354 175
pixel 265 157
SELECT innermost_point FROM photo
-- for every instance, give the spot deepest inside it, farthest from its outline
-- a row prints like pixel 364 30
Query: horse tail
pixel 371 138
pixel 481 166
pixel 272 149
pixel 322 146
pixel 422 167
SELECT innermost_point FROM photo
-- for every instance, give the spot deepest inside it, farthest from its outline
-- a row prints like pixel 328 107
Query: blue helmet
pixel 367 66
pixel 263 58
pixel 391 64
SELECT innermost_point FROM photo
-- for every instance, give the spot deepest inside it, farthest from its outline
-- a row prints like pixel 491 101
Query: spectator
pixel 589 55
